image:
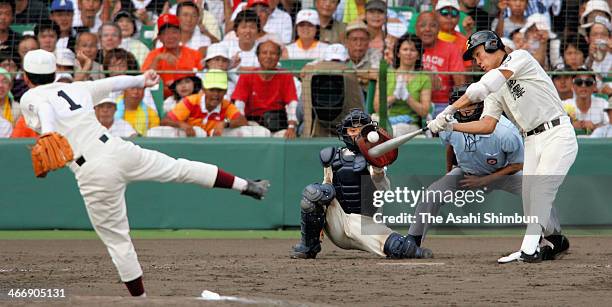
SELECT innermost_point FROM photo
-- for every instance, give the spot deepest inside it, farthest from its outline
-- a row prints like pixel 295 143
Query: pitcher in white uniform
pixel 105 164
pixel 516 84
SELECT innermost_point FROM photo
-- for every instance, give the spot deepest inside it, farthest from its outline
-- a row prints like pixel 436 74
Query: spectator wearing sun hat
pixel 592 9
pixel 307 45
pixel 606 130
pixel 9 109
pixel 600 55
pixel 543 44
pixel 362 58
pixel 171 56
pixel 65 60
pixel 336 53
pixel 105 113
pixel 217 57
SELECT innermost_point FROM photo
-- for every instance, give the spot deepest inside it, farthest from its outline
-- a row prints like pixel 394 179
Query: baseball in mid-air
pixel 373 137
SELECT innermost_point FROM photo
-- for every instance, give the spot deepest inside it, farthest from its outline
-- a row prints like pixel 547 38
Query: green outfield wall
pixel 55 203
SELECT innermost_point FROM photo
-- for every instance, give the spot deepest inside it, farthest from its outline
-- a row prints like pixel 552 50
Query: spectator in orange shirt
pixel 172 56
pixel 206 114
pixel 21 130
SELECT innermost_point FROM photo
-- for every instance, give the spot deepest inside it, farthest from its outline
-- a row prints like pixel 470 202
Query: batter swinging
pixel 516 84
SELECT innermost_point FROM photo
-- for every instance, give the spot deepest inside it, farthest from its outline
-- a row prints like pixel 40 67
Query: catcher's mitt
pixel 50 152
pixel 365 145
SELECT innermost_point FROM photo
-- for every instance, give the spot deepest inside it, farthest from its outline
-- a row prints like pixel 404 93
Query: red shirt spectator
pixel 439 56
pixel 443 57
pixel 262 95
pixel 447 15
pixel 172 56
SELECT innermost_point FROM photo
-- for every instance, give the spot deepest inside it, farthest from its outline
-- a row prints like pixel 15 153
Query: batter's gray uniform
pixel 104 164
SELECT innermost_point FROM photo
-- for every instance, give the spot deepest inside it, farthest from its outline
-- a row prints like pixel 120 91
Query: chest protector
pixel 351 180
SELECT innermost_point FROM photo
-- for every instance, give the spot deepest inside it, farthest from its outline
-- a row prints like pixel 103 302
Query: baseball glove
pixel 50 152
pixel 365 145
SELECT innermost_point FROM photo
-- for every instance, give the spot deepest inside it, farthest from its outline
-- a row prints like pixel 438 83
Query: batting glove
pixel 439 124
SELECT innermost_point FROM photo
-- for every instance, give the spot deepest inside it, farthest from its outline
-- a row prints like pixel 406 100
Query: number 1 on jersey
pixel 73 105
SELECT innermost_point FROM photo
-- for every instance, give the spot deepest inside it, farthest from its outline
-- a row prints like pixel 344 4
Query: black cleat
pixel 256 188
pixel 558 250
pixel 534 258
pixel 300 251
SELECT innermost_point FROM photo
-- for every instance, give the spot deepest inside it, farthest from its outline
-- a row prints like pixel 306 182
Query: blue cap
pixel 62 5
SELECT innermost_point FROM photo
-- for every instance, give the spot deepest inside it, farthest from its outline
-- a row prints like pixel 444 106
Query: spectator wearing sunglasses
pixel 585 109
pixel 447 14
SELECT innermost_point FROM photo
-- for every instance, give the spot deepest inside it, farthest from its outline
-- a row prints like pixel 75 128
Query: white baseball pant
pixel 102 181
pixel 548 157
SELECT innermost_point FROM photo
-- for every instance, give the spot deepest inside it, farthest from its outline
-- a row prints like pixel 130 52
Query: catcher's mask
pixel 457 92
pixel 354 119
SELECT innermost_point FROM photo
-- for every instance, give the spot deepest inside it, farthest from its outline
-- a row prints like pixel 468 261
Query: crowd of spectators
pixel 223 62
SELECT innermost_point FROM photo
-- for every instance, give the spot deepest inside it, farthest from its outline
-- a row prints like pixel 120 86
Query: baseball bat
pixel 394 143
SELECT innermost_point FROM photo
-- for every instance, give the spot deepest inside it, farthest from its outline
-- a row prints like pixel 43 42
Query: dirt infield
pixel 463 272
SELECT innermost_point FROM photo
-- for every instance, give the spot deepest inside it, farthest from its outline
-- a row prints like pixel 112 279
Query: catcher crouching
pixel 341 205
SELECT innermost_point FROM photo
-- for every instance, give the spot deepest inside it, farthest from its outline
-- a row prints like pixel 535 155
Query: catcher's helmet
pixel 355 118
pixel 457 92
pixel 489 39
